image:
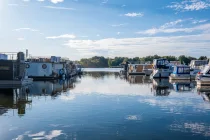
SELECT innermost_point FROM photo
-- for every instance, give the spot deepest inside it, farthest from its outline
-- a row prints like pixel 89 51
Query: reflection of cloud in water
pixel 67 97
pixel 133 117
pixel 196 128
pixel 177 104
pixel 111 86
pixel 41 135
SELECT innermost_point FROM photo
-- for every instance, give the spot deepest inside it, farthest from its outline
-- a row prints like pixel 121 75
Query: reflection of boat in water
pixel 206 96
pixel 161 87
pixel 139 79
pixel 182 85
pixel 14 99
pixel 50 87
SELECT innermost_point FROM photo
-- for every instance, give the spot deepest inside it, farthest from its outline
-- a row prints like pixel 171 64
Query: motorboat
pixel 161 68
pixel 180 72
pixel 196 66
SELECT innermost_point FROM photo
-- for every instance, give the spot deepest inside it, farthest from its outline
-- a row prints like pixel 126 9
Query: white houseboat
pixel 45 68
pixel 180 72
pixel 161 68
pixel 140 69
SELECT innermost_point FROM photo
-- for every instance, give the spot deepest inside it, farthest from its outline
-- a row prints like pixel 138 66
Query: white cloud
pixel 70 36
pixel 14 4
pixel 202 28
pixel 143 46
pixel 56 1
pixel 105 1
pixel 190 5
pixel 199 21
pixel 118 25
pixel 118 33
pixel 171 24
pixel 40 0
pixel 134 14
pixel 21 39
pixel 26 0
pixel 29 29
pixel 58 8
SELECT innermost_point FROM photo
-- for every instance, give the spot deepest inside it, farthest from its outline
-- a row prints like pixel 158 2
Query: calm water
pixel 106 106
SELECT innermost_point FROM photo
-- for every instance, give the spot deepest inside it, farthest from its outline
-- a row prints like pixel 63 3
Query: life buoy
pixel 44 66
pixel 61 71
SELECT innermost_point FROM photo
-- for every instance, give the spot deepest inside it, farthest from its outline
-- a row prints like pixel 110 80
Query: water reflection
pixel 14 99
pixel 161 87
pixel 106 105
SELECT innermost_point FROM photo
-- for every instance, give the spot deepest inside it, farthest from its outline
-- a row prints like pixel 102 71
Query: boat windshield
pixel 206 70
pixel 162 62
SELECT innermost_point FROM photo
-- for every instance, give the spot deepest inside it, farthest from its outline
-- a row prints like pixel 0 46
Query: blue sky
pixel 85 28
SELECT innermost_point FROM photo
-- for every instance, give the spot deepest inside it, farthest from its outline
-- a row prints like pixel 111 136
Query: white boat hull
pixel 161 73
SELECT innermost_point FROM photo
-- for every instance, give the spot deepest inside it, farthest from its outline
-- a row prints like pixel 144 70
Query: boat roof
pixel 183 66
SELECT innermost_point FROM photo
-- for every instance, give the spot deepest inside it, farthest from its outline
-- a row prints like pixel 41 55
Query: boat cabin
pixel 139 69
pixel 196 64
pixel 181 69
pixel 206 70
pixel 160 63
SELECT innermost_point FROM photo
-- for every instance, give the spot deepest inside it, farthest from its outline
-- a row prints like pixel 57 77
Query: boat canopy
pixel 197 63
pixel 182 69
pixel 161 63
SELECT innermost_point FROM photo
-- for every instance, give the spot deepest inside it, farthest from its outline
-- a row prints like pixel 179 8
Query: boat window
pixel 208 72
pixel 186 70
pixel 180 70
pixel 4 68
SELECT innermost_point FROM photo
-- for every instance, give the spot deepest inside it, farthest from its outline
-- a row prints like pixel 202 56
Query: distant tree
pixel 185 59
pixel 203 58
pixel 170 58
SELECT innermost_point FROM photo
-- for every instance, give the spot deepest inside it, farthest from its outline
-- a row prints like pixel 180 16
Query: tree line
pixel 102 62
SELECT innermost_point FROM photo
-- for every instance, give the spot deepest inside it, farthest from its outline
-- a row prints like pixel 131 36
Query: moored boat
pixel 203 77
pixel 161 68
pixel 13 72
pixel 196 66
pixel 140 69
pixel 180 72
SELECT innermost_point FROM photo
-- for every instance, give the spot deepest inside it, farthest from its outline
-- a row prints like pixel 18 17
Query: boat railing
pixel 9 55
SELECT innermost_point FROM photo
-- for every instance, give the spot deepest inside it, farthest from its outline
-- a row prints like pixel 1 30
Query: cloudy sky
pixel 85 28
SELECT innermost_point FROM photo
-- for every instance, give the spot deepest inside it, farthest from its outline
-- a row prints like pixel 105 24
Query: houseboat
pixel 140 69
pixel 48 68
pixel 203 77
pixel 13 72
pixel 196 66
pixel 180 72
pixel 161 68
